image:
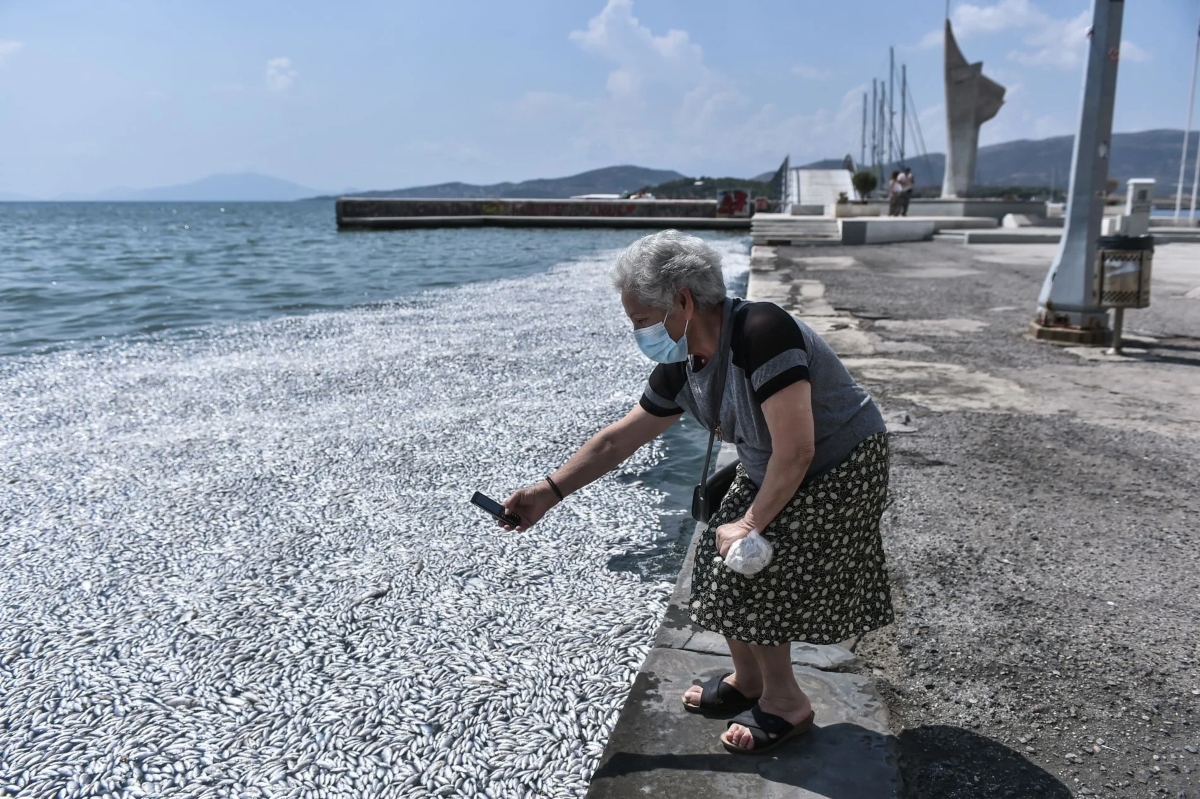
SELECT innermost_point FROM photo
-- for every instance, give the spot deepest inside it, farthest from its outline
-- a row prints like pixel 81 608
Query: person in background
pixel 907 181
pixel 894 189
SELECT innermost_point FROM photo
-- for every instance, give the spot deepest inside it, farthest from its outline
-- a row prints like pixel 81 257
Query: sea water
pixel 114 278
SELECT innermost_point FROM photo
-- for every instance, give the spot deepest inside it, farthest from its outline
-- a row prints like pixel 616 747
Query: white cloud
pixel 9 49
pixel 1059 43
pixel 970 20
pixel 659 90
pixel 661 103
pixel 1132 53
pixel 1046 41
pixel 616 34
pixel 810 72
pixel 931 40
pixel 280 74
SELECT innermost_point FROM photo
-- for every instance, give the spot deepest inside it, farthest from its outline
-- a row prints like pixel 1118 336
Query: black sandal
pixel 719 696
pixel 768 730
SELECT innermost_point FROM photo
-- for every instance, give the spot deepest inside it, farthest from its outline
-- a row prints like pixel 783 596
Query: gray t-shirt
pixel 769 350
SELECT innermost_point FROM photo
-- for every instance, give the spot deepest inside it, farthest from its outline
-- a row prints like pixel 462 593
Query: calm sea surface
pixel 81 274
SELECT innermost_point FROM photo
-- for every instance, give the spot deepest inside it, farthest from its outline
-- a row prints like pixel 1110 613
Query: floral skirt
pixel 828 580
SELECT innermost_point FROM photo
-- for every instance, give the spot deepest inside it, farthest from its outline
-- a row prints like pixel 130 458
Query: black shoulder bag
pixel 707 496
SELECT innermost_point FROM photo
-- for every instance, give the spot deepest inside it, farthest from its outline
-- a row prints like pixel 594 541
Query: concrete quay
pixel 373 213
pixel 995 209
pixel 1050 235
pixel 634 222
pixel 787 230
pixel 1041 542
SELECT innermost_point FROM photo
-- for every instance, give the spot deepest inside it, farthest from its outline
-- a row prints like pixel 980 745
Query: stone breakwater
pixel 244 564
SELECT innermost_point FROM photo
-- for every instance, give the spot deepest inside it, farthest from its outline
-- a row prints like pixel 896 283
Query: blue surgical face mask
pixel 657 345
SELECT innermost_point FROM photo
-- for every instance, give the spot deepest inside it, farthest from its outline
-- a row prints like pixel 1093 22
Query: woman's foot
pixel 791 709
pixel 751 690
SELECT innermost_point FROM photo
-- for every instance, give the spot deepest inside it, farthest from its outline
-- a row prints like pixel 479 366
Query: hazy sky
pixel 141 93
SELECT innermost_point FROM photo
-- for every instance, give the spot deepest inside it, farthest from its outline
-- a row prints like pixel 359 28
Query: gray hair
pixel 655 268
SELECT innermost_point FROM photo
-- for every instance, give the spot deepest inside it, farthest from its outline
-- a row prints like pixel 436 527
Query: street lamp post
pixel 1068 308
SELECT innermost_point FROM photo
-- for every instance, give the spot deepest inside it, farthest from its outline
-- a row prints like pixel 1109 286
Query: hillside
pixel 1148 154
pixel 243 187
pixel 1047 162
pixel 609 180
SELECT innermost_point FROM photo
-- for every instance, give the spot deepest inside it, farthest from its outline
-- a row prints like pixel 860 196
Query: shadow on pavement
pixel 822 762
pixel 944 762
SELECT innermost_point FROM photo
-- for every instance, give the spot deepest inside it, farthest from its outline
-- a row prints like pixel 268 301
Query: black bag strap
pixel 722 370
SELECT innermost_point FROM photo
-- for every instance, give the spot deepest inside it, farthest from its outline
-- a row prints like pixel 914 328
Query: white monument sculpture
pixel 971 100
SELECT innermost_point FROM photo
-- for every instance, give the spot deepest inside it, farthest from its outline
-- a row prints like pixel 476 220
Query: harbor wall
pixel 997 209
pixel 384 212
pixel 921 206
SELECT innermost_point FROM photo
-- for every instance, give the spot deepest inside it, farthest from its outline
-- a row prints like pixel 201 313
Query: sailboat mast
pixel 891 127
pixel 862 156
pixel 1187 131
pixel 882 132
pixel 874 127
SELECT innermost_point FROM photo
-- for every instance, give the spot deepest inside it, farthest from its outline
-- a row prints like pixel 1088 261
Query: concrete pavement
pixel 1042 541
pixel 1042 544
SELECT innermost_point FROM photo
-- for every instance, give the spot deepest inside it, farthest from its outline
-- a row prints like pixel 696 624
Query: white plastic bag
pixel 750 555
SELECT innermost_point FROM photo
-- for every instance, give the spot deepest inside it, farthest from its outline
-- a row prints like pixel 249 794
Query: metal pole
pixel 1068 308
pixel 1195 183
pixel 882 131
pixel 862 156
pixel 874 127
pixel 903 105
pixel 1118 325
pixel 891 138
pixel 1187 131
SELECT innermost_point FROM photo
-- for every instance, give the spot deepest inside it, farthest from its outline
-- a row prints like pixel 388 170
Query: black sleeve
pixel 768 345
pixel 663 386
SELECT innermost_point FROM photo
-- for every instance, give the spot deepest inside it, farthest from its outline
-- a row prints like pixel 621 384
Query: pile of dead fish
pixel 243 564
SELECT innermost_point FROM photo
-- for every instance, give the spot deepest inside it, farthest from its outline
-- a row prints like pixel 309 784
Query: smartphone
pixel 495 508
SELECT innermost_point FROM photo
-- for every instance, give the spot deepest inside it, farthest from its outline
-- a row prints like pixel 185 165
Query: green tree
pixel 864 182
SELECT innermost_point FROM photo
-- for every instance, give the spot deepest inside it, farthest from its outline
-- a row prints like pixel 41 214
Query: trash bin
pixel 1122 277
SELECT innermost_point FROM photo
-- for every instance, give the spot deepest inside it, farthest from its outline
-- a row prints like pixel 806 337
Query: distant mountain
pixel 13 197
pixel 242 187
pixel 1148 154
pixel 1029 163
pixel 1047 162
pixel 609 180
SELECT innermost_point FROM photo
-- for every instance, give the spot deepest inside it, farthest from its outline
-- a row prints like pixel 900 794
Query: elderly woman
pixel 812 479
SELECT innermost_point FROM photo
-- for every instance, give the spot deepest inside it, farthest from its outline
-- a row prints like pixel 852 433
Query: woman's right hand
pixel 531 504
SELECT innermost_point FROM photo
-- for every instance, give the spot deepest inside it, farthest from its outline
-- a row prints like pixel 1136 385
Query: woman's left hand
pixel 728 533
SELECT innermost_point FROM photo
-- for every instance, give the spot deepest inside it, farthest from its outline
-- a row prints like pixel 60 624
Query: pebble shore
pixel 244 565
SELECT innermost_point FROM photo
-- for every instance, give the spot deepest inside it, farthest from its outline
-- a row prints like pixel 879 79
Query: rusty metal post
pixel 1118 326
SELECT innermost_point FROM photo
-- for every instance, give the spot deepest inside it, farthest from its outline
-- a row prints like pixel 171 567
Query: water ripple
pixel 78 273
